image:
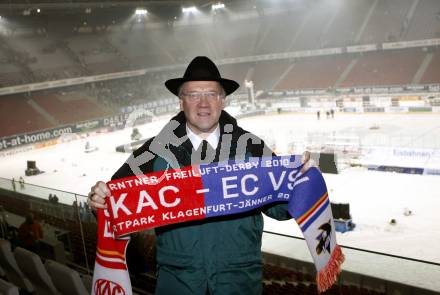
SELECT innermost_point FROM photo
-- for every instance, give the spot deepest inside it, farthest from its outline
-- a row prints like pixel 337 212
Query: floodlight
pixel 217 6
pixel 38 10
pixel 141 11
pixel 248 84
pixel 191 9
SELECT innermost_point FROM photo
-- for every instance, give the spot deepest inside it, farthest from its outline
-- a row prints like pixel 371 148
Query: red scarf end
pixel 327 276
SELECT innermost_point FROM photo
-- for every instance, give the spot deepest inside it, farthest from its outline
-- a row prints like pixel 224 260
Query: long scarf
pixel 203 191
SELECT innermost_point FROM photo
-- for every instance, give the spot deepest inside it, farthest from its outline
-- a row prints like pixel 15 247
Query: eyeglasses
pixel 197 96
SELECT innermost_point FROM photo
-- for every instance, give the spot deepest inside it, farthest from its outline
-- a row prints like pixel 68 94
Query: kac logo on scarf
pixel 208 190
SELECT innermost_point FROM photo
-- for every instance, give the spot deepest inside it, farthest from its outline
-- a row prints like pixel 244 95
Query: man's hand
pixel 97 195
pixel 307 161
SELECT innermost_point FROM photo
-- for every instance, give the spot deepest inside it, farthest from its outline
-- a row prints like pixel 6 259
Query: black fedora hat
pixel 201 68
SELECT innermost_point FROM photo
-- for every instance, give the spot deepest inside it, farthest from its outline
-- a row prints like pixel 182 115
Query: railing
pixel 68 219
pixel 384 272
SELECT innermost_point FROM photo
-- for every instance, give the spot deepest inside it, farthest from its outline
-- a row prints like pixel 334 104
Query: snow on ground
pixel 374 197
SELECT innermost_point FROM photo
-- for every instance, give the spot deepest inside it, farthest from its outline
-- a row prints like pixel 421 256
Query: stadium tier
pixel 60 107
pixel 385 68
pixel 432 73
pixel 319 72
pixel 98 47
pixel 23 118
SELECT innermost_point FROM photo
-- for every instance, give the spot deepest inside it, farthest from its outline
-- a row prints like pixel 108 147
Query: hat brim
pixel 229 86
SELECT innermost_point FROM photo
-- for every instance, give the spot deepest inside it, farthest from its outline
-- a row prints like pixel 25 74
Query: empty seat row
pixel 11 269
pixel 25 270
pixel 7 288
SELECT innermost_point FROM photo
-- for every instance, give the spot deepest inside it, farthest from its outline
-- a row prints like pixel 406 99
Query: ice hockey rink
pixel 374 197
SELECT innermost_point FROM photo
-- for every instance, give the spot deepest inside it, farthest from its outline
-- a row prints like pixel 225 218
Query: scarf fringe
pixel 327 276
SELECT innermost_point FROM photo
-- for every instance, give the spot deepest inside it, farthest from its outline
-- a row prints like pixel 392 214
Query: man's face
pixel 202 102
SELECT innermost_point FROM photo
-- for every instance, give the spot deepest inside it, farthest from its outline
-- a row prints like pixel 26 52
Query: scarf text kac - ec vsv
pixel 208 190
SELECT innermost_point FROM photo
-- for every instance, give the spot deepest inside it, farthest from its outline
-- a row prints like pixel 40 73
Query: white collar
pixel 196 140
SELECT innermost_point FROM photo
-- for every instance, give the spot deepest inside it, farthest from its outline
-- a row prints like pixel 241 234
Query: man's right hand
pixel 97 195
pixel 307 161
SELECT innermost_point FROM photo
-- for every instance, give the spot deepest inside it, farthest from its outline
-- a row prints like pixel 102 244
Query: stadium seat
pixel 66 280
pixel 7 288
pixel 31 265
pixel 10 266
pixel 87 281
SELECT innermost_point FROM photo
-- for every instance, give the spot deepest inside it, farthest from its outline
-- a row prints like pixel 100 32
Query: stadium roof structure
pixel 161 7
pixel 22 4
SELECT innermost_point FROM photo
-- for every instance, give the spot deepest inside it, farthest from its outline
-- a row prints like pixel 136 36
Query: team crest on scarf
pixel 105 287
pixel 324 238
pixel 203 191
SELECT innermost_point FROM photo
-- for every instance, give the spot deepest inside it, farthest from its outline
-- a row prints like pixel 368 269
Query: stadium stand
pixel 241 42
pixel 10 75
pixel 237 72
pixel 23 118
pixel 301 27
pixel 13 272
pixel 7 288
pixel 91 48
pixel 432 73
pixel 424 23
pixel 385 68
pixel 144 50
pixel 46 56
pixel 273 34
pixel 345 23
pixel 97 68
pixel 65 279
pixel 61 107
pixel 31 265
pixel 309 32
pixel 318 72
pixel 389 14
pixel 266 74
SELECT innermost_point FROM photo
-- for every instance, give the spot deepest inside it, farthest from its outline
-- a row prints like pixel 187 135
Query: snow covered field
pixel 374 197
